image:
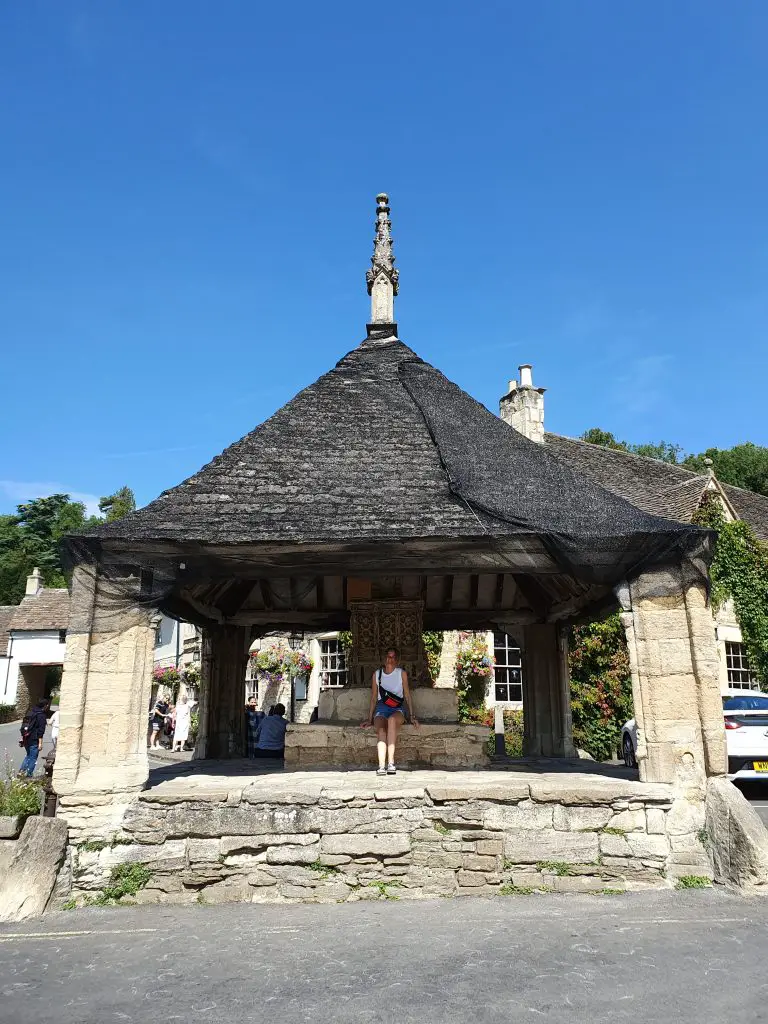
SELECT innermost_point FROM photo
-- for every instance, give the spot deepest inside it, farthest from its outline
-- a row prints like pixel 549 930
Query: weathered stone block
pixel 531 846
pixel 293 854
pixel 470 879
pixel 655 821
pixel 614 846
pixel 378 845
pixel 643 845
pixel 579 819
pixel 490 847
pixel 474 862
pixel 10 827
pixel 628 821
pixel 527 815
pixel 202 850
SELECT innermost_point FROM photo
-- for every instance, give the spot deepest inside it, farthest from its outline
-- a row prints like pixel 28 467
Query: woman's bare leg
pixel 394 724
pixel 381 740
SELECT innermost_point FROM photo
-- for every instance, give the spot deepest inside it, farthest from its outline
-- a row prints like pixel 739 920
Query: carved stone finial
pixel 382 279
pixel 709 464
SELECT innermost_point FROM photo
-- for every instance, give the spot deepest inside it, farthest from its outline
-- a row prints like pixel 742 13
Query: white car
pixel 746 733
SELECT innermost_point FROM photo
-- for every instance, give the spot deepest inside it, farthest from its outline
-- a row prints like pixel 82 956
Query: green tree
pixel 745 465
pixel 664 451
pixel 115 506
pixel 603 438
pixel 31 538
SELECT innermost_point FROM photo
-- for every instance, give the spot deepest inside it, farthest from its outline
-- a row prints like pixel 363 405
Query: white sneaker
pixel 391 770
pixel 381 771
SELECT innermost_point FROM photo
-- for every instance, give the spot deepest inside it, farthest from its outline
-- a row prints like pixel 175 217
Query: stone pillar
pixel 101 755
pixel 675 680
pixel 224 666
pixel 548 728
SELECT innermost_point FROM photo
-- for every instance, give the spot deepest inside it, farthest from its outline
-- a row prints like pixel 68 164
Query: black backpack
pixel 26 725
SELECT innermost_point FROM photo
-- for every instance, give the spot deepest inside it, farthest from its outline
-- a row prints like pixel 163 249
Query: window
pixel 508 671
pixel 300 688
pixel 333 663
pixel 740 675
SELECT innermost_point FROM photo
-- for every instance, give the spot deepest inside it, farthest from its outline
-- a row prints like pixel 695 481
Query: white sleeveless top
pixel 392 681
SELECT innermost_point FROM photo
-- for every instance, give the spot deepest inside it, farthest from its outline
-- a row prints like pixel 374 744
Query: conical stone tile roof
pixel 384 447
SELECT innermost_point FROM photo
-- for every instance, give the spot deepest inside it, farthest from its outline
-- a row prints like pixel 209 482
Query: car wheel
pixel 629 752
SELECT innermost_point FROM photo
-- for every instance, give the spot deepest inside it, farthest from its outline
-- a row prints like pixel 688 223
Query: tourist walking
pixel 54 724
pixel 160 713
pixel 390 698
pixel 183 721
pixel 270 737
pixel 253 719
pixel 32 732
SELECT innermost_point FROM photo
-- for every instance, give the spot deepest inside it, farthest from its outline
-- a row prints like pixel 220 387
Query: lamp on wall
pixel 295 641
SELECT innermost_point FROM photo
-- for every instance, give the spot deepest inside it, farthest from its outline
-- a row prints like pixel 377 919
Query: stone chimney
pixel 523 405
pixel 34 583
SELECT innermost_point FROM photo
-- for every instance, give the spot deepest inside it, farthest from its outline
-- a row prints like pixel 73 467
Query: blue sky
pixel 188 192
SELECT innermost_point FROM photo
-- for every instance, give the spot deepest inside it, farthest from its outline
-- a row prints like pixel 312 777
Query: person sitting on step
pixel 390 696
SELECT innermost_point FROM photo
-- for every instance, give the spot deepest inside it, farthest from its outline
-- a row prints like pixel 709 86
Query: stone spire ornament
pixel 382 278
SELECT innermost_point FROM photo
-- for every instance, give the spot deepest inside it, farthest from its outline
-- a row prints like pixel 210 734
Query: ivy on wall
pixel 739 571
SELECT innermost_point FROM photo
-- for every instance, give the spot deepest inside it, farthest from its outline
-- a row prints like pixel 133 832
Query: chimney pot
pixel 512 385
pixel 34 583
pixel 526 377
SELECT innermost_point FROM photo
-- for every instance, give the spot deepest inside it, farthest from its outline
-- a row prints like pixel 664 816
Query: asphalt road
pixel 650 957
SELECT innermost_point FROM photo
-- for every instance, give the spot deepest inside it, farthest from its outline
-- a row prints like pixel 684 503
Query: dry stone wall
pixel 339 842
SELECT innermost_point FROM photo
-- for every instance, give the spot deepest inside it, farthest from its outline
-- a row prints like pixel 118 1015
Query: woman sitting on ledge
pixel 270 736
pixel 390 695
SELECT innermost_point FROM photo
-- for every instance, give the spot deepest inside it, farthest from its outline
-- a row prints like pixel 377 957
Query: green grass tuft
pixel 693 882
pixel 554 867
pixel 508 889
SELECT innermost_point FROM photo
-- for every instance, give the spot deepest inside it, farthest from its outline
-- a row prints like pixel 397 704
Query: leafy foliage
pixel 746 465
pixel 473 666
pixel 31 538
pixel 739 571
pixel 433 646
pixel 601 686
pixel 664 451
pixel 115 506
pixel 19 796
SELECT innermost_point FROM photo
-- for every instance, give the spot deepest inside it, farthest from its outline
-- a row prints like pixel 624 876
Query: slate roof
pixel 655 486
pixel 48 609
pixel 6 614
pixel 384 447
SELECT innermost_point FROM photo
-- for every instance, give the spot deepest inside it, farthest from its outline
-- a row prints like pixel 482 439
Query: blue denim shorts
pixel 382 711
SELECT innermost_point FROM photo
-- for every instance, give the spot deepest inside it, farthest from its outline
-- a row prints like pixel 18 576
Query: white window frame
pixel 740 675
pixel 332 676
pixel 508 660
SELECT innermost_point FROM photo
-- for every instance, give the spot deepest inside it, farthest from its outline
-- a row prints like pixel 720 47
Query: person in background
pixel 270 738
pixel 253 719
pixel 54 724
pixel 159 714
pixel 182 722
pixel 32 732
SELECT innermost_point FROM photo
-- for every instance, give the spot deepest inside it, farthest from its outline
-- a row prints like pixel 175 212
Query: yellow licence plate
pixel 760 766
